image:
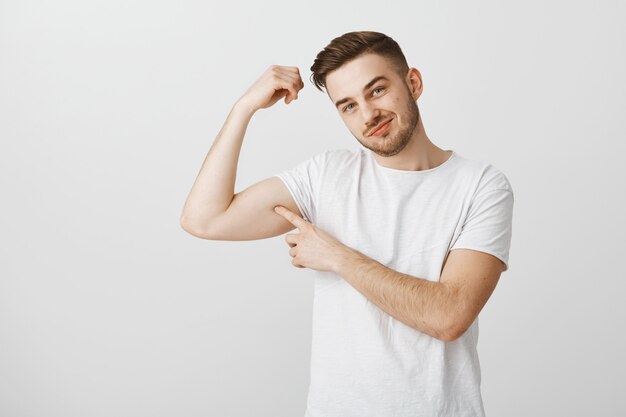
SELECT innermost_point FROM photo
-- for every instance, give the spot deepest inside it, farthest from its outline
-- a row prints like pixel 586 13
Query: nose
pixel 371 115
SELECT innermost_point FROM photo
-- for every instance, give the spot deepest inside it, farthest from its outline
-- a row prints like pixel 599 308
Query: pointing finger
pixel 292 217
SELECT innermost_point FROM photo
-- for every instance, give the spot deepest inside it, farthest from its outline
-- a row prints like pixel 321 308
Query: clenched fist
pixel 276 82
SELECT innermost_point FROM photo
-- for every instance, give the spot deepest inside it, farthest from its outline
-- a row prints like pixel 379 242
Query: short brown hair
pixel 351 45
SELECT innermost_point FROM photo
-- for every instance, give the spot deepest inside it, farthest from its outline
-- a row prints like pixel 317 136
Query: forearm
pixel 214 187
pixel 421 304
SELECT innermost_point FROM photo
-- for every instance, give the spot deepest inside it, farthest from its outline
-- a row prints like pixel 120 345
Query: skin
pixel 405 145
pixel 443 309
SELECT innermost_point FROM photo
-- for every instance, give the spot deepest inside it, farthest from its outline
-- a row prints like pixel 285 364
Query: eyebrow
pixel 367 86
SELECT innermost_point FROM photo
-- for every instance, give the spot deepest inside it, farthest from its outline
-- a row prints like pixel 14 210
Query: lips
pixel 380 126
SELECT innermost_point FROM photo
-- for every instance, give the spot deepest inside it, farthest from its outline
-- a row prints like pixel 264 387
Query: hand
pixel 312 247
pixel 276 82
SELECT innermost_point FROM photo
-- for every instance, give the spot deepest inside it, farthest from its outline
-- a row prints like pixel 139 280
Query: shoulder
pixel 487 176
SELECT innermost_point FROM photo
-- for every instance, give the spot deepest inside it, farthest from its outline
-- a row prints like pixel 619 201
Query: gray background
pixel 107 110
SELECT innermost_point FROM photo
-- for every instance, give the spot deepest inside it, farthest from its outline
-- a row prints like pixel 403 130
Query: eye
pixel 346 108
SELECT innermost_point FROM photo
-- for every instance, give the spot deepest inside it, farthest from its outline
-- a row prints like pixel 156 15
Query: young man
pixel 407 240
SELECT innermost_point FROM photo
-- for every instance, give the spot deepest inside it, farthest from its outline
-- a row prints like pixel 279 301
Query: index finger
pixel 293 218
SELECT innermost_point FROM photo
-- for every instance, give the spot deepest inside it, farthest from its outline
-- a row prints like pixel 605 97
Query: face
pixel 365 101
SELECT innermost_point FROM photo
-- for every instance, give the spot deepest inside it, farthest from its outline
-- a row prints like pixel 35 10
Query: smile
pixel 382 129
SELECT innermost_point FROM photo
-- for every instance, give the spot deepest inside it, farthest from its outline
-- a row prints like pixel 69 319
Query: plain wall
pixel 108 108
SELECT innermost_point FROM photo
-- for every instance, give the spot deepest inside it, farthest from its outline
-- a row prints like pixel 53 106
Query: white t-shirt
pixel 364 362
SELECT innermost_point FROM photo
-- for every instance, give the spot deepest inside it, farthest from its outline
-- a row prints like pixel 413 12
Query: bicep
pixel 251 215
pixel 471 277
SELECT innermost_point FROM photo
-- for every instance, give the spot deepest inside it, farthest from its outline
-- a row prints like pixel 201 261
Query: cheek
pixel 351 122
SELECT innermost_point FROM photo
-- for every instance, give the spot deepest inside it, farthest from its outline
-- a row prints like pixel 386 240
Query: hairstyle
pixel 350 46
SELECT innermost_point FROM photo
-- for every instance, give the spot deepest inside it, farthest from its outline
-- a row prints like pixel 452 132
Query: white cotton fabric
pixel 364 362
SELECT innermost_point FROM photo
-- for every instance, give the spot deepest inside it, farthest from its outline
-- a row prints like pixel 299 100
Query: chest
pixel 405 225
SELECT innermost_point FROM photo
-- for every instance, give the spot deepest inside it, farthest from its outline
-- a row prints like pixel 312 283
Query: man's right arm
pixel 212 210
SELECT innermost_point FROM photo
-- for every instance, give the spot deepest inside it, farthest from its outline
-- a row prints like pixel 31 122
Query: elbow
pixel 193 230
pixel 452 327
pixel 184 224
pixel 454 331
pixel 455 319
pixel 451 335
pixel 442 333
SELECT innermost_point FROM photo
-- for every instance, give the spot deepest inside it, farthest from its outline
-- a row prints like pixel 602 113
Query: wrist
pixel 346 257
pixel 242 106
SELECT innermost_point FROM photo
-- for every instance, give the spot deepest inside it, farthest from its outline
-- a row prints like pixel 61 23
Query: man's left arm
pixel 443 309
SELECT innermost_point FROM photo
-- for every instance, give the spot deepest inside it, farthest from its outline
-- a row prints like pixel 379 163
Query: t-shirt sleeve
pixel 303 181
pixel 488 225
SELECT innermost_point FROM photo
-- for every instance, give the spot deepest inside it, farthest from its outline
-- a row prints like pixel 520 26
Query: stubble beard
pixel 393 144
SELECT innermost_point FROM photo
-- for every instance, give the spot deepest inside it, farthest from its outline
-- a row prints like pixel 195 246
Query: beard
pixel 394 143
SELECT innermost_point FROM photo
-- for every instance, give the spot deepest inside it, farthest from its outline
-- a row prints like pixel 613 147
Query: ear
pixel 414 82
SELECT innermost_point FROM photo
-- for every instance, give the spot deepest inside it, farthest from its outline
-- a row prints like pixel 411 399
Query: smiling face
pixel 367 92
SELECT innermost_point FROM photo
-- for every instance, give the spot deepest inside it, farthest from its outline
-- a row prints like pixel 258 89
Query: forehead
pixel 349 79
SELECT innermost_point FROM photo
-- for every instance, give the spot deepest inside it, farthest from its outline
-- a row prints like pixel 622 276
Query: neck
pixel 418 155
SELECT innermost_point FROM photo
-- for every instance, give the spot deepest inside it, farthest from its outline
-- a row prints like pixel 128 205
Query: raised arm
pixel 212 209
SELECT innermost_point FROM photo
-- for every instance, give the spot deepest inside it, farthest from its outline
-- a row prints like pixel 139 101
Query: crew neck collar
pixel 412 172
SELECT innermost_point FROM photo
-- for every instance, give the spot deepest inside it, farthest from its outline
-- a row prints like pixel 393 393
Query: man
pixel 407 240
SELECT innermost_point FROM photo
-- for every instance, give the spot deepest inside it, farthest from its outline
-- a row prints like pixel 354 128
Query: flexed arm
pixel 212 209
